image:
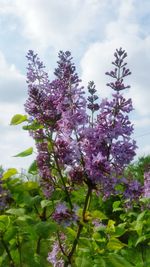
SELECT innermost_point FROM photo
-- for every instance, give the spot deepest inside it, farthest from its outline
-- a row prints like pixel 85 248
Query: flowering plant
pixel 81 204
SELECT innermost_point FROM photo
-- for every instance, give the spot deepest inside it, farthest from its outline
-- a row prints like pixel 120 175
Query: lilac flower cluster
pixel 53 256
pixel 92 98
pixel 108 147
pixel 96 155
pixel 59 106
pixel 132 189
pixel 62 215
pixel 119 72
pixel 146 188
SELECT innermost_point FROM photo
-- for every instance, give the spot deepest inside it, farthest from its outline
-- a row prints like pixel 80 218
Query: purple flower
pixel 97 149
pixel 92 98
pixel 62 215
pixel 77 175
pixel 119 72
pixel 98 224
pixel 54 256
pixel 146 188
pixel 132 189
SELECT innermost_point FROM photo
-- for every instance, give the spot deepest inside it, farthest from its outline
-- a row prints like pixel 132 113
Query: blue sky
pixel 91 30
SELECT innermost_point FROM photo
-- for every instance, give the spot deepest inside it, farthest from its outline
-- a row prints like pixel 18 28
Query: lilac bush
pixel 74 149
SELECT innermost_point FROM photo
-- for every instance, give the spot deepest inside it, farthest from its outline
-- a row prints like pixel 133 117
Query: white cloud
pixel 96 27
pixel 12 82
pixel 14 142
pixel 125 33
pixel 59 24
pixel 13 138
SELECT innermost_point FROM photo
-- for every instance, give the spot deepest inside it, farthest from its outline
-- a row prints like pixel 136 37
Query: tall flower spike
pixel 66 69
pixel 108 147
pixel 73 103
pixel 92 105
pixel 92 98
pixel 119 72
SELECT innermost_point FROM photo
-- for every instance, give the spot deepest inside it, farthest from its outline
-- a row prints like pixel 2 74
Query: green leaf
pixel 43 229
pixel 4 222
pixel 97 214
pixel 71 232
pixel 116 205
pixel 85 242
pixel 99 262
pixel 33 168
pixel 97 236
pixel 118 261
pixel 25 218
pixel 25 153
pixel 17 212
pixel 9 173
pixel 34 126
pixel 30 185
pixel 139 227
pixel 46 203
pixel 111 226
pixel 142 239
pixel 83 261
pixel 35 200
pixel 141 215
pixel 10 233
pixel 120 229
pixel 115 244
pixel 17 119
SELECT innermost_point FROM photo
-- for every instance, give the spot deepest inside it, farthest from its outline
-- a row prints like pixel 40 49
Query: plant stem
pixel 12 264
pixel 61 176
pixel 43 219
pixel 86 205
pixel 19 250
pixel 64 184
pixel 38 246
pixel 60 245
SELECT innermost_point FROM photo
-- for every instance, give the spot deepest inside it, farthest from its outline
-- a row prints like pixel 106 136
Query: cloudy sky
pixel 91 30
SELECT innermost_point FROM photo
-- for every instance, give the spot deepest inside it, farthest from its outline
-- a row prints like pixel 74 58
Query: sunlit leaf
pixel 9 173
pixel 116 205
pixel 46 203
pixel 17 211
pixel 97 214
pixel 25 153
pixel 115 244
pixel 111 226
pixel 17 119
pixel 33 168
pixel 30 185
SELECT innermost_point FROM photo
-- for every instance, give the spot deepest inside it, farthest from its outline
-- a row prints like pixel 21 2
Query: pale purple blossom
pixel 62 215
pixel 98 149
pixel 146 188
pixel 54 256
